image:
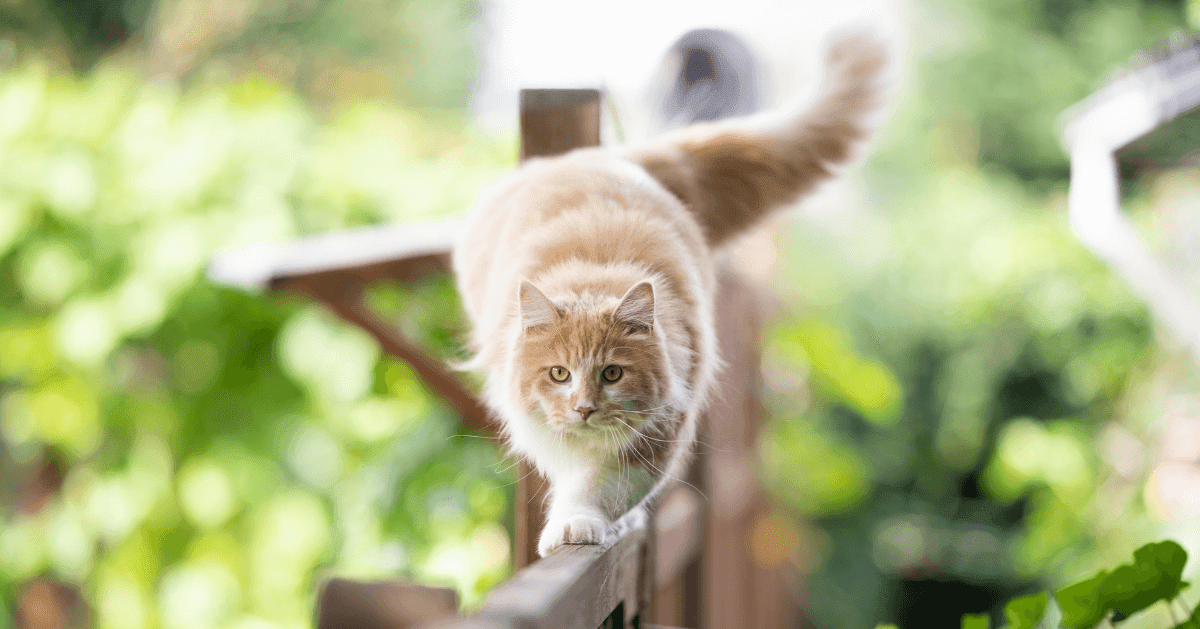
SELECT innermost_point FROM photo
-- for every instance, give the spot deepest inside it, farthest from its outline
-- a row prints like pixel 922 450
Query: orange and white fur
pixel 589 278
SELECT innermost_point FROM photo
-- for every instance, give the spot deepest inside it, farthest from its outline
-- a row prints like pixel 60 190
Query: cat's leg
pixel 576 513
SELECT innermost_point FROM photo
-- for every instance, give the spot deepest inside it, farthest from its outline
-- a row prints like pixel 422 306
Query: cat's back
pixel 589 205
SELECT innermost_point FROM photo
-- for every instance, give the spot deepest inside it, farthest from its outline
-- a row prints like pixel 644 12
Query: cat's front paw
pixel 574 529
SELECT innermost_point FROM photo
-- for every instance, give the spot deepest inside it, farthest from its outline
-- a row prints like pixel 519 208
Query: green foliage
pixel 222 452
pixel 1026 612
pixel 1081 603
pixel 824 474
pixel 1153 576
pixel 952 353
pixel 975 621
pixel 866 385
pixel 413 51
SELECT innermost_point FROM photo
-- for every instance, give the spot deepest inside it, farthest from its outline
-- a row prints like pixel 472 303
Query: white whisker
pixel 662 473
pixel 532 469
pixel 668 441
pixel 514 464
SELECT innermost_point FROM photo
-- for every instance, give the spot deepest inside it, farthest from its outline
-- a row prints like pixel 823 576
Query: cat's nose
pixel 584 411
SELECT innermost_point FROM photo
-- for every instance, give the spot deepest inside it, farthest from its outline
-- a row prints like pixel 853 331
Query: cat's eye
pixel 612 373
pixel 559 374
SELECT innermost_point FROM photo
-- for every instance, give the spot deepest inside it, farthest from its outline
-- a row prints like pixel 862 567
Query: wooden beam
pixel 348 303
pixel 580 586
pixel 552 122
pixel 406 251
pixel 678 531
pixel 576 587
pixel 335 268
pixel 681 599
pixel 351 605
pixel 740 593
pixel 679 539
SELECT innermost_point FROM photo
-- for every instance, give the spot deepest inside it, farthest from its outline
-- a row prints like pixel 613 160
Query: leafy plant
pixel 1080 602
pixel 1026 612
pixel 1155 575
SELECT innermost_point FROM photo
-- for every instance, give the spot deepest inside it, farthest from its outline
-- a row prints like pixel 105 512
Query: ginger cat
pixel 589 278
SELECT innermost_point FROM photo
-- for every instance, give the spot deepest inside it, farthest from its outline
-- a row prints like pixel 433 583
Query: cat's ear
pixel 637 308
pixel 536 309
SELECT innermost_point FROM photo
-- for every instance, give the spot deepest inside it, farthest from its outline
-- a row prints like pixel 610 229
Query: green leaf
pixel 1154 576
pixel 1081 603
pixel 975 621
pixel 1025 612
pixel 887 626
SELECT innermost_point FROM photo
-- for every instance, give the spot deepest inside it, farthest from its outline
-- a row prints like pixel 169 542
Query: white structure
pixel 619 45
pixel 1122 112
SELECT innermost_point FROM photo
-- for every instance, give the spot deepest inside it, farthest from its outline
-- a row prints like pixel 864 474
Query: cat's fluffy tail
pixel 733 173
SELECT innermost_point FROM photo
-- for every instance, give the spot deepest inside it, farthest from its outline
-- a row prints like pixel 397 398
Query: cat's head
pixel 593 365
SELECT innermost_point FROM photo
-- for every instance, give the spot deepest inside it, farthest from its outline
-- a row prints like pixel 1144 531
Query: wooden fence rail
pixel 691 567
pixel 579 587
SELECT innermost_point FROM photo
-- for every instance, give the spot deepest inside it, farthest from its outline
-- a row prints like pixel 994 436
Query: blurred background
pixel 964 404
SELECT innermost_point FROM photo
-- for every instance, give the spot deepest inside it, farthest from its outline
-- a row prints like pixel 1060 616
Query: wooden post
pixel 556 121
pixel 552 122
pixel 346 604
pixel 679 601
pixel 744 588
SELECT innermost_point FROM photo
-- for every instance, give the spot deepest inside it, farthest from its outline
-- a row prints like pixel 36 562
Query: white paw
pixel 573 529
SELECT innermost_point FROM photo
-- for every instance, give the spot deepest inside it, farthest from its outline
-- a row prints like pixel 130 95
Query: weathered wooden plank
pixel 691 581
pixel 679 539
pixel 529 513
pixel 335 268
pixel 576 587
pixel 668 603
pixel 348 303
pixel 352 605
pixel 677 534
pixel 552 122
pixel 404 251
pixel 731 482
pixel 471 623
pixel 740 593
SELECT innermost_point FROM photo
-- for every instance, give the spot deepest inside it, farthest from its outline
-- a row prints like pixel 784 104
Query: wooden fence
pixel 709 558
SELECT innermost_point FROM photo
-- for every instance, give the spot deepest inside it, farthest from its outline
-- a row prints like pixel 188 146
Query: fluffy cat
pixel 590 281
